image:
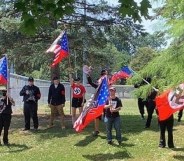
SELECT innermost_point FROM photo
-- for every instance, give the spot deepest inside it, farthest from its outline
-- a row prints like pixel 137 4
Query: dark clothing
pixel 5 118
pixel 180 114
pixel 141 104
pixel 33 93
pixel 91 82
pixel 56 96
pixel 77 102
pixel 116 102
pixel 30 111
pixel 150 106
pixel 166 124
pixel 30 105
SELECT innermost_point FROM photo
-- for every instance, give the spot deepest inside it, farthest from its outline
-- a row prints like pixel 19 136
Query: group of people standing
pixel 56 101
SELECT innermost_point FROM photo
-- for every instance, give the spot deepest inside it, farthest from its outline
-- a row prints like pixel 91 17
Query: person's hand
pixel 27 92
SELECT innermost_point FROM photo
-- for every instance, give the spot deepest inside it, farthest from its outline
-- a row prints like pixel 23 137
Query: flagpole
pixel 145 81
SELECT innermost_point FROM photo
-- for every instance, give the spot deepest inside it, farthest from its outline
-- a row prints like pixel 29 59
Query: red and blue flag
pixel 94 107
pixel 60 48
pixel 3 71
pixel 124 73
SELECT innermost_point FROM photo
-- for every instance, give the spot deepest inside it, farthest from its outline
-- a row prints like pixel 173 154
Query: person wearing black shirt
pixel 112 117
pixel 5 115
pixel 180 114
pixel 56 101
pixel 31 94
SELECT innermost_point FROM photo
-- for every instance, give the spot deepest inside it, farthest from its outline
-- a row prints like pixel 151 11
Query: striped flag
pixel 60 48
pixel 3 71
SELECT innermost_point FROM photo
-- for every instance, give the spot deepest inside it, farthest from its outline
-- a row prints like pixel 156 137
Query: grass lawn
pixel 55 144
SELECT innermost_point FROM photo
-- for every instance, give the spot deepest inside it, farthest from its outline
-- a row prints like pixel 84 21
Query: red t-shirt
pixel 78 90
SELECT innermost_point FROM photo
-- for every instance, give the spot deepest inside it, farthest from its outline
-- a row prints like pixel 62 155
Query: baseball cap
pixel 30 79
pixel 112 88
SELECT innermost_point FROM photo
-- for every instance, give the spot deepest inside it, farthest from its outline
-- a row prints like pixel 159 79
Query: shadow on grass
pixel 14 148
pixel 178 149
pixel 104 157
pixel 179 157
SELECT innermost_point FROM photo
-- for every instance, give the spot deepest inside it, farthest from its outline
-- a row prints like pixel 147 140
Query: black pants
pixel 180 114
pixel 30 111
pixel 141 104
pixel 166 124
pixel 150 109
pixel 5 120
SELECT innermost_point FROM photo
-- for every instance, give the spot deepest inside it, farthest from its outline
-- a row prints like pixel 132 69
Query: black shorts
pixel 77 102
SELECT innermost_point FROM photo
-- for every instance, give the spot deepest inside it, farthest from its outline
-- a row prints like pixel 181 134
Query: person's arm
pixel 63 95
pixel 91 82
pixel 49 96
pixel 38 94
pixel 23 91
pixel 118 108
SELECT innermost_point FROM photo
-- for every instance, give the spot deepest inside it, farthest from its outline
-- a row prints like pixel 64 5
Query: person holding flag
pixel 95 85
pixel 6 103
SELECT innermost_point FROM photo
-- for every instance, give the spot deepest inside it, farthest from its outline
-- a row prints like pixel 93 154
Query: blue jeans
pixel 116 122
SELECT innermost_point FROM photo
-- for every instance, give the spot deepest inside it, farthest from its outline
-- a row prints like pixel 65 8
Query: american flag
pixel 94 106
pixel 60 48
pixel 3 71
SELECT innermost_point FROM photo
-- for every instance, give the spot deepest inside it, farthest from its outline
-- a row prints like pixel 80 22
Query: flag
pixel 3 71
pixel 170 101
pixel 94 107
pixel 60 48
pixel 124 73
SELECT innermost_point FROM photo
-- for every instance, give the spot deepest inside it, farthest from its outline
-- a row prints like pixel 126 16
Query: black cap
pixel 55 78
pixel 103 72
pixel 77 79
pixel 30 79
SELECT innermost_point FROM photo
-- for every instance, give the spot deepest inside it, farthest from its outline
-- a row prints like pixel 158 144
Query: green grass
pixel 67 145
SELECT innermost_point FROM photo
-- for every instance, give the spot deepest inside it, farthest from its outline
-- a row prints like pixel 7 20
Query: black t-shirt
pixel 116 102
pixel 4 108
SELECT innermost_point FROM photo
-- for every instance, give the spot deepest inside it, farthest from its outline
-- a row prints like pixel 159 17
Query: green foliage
pixel 141 58
pixel 132 9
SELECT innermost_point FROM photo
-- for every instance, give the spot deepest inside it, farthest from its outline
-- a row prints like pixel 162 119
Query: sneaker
pixel 95 133
pixel 109 142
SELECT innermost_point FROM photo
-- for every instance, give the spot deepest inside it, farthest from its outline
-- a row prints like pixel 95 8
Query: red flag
pixel 169 102
pixel 60 48
pixel 94 107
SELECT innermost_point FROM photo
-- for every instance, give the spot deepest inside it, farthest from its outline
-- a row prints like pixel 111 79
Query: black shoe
pixel 119 142
pixel 109 142
pixel 146 127
pixel 95 133
pixel 25 129
pixel 179 119
pixel 6 144
pixel 172 146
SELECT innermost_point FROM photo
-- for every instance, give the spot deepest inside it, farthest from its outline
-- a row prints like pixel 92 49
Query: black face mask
pixel 4 93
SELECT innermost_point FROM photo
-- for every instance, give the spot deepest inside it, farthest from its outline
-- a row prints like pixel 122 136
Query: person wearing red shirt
pixel 78 97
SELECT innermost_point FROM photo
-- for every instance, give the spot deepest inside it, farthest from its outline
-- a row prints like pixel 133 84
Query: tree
pixel 36 14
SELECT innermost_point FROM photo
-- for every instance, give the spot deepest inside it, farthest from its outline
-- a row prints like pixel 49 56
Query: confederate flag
pixel 170 101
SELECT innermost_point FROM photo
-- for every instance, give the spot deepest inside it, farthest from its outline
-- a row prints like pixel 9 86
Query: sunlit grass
pixel 64 145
